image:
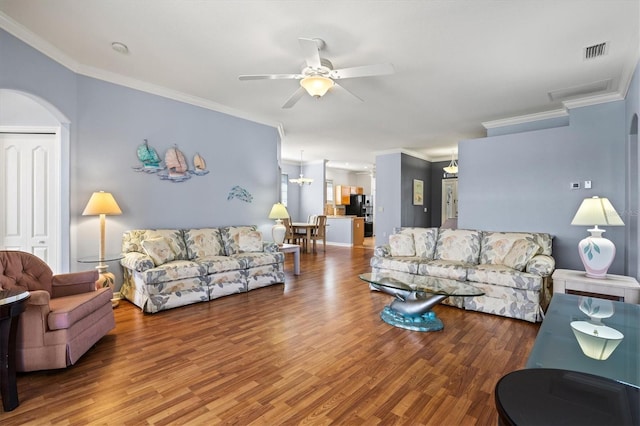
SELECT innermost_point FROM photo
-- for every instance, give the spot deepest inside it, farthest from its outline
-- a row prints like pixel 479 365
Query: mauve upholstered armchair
pixel 65 315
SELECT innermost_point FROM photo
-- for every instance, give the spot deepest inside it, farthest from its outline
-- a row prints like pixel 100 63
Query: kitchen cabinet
pixel 342 195
pixel 358 231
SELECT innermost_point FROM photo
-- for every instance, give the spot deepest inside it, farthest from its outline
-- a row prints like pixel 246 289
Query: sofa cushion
pixel 231 243
pixel 424 240
pixel 496 245
pixel 501 275
pixel 248 241
pixel 402 245
pixel 66 311
pixel 174 237
pixel 203 242
pixel 176 270
pixel 452 270
pixel 217 264
pixel 401 264
pixel 458 245
pixel 521 252
pixel 158 250
pixel 252 260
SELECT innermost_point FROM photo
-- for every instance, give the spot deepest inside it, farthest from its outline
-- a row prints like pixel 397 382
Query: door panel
pixel 29 194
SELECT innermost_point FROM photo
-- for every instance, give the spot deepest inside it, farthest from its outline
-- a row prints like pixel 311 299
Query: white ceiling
pixel 459 63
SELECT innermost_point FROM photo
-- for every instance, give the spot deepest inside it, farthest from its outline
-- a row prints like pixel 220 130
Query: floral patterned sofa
pixel 513 269
pixel 166 268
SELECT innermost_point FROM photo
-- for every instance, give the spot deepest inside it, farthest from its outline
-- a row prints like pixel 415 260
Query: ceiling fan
pixel 318 76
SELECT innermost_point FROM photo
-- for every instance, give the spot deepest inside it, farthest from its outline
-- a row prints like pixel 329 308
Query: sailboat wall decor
pixel 199 165
pixel 149 158
pixel 175 168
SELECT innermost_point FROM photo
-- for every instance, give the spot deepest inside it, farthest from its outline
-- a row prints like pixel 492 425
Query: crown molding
pixel 22 33
pixel 592 100
pixel 525 118
pixel 46 48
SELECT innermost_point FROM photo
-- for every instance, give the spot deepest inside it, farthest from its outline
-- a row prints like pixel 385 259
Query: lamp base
pixel 596 253
pixel 278 232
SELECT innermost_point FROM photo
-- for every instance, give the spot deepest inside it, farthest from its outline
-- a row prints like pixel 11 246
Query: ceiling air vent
pixel 595 51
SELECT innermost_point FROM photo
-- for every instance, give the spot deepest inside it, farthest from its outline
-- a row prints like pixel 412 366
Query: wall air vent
pixel 595 51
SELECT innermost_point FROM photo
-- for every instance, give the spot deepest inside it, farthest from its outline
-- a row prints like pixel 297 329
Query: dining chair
pixel 319 233
pixel 289 235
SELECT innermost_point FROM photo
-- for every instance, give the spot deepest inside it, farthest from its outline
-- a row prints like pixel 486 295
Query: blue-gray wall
pixel 631 215
pixel 521 181
pixel 395 173
pixel 108 122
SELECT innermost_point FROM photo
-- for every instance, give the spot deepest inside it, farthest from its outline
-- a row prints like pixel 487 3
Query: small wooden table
pixel 12 304
pixel 308 227
pixel 295 249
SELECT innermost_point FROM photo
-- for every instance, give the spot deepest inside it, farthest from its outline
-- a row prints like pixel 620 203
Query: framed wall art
pixel 418 192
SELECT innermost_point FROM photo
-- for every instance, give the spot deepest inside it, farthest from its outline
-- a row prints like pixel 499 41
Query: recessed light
pixel 120 47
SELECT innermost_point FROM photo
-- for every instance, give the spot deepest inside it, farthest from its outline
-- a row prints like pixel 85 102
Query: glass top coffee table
pixel 415 296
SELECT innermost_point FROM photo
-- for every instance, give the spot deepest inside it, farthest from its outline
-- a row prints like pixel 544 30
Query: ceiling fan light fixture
pixel 316 85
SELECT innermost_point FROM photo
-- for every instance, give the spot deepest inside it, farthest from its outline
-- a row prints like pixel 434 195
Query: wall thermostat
pixel 575 185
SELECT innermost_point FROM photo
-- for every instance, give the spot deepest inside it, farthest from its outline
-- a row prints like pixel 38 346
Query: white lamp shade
pixel 596 211
pixel 316 85
pixel 278 211
pixel 597 341
pixel 101 203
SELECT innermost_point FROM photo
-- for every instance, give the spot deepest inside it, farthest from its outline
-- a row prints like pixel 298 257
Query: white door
pixel 29 195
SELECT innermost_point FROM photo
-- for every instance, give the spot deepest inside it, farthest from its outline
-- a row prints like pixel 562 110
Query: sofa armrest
pixel 73 283
pixel 137 261
pixel 382 251
pixel 270 247
pixel 542 265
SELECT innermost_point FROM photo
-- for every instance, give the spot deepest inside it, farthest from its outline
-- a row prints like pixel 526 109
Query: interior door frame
pixel 64 148
pixel 55 261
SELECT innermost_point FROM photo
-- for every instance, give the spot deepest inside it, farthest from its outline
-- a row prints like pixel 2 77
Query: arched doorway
pixel 632 216
pixel 34 185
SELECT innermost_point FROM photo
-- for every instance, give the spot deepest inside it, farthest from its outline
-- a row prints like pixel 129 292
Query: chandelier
pixel 453 166
pixel 301 180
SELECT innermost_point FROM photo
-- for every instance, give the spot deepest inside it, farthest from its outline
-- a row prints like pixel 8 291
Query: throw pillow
pixel 249 241
pixel 158 250
pixel 521 252
pixel 402 245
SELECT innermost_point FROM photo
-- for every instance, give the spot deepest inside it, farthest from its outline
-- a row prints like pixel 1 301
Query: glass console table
pixel 556 346
pixel 415 296
pixel 106 279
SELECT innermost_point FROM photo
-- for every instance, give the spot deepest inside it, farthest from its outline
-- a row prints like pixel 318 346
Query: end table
pixel 106 279
pixel 626 289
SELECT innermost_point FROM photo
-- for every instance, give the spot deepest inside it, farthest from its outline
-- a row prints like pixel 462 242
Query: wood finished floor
pixel 313 351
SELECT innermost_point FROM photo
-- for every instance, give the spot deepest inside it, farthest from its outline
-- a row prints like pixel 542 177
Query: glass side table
pixel 106 279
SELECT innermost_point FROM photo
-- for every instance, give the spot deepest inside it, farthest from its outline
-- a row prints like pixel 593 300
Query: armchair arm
pixel 73 283
pixel 382 251
pixel 137 261
pixel 542 265
pixel 33 321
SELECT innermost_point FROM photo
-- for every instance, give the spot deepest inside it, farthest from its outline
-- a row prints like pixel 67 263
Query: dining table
pixel 308 229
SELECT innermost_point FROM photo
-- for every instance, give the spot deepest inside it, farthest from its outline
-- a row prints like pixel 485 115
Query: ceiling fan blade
pixel 294 98
pixel 342 89
pixel 271 77
pixel 310 52
pixel 363 71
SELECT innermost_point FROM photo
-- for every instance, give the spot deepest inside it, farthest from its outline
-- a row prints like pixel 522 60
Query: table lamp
pixel 596 252
pixel 278 212
pixel 102 204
